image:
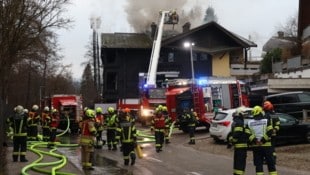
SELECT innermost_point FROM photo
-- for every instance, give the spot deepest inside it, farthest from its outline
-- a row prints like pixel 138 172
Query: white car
pixel 221 123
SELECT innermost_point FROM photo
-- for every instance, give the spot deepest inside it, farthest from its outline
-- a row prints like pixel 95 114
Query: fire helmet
pixel 268 106
pixel 111 109
pixel 257 110
pixel 46 109
pixel 19 109
pixel 99 110
pixel 35 107
pixel 90 113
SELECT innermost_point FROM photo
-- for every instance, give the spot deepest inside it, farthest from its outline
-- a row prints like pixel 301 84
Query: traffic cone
pixel 139 151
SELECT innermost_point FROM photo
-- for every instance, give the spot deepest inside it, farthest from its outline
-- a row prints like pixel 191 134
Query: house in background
pixel 126 55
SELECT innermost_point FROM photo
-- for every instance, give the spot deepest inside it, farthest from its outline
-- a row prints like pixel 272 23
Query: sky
pixel 259 19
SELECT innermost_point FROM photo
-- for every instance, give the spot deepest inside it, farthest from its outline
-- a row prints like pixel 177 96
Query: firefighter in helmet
pixel 168 122
pixel 126 134
pixel 190 119
pixel 53 127
pixel 88 132
pixel 99 124
pixel 45 122
pixel 111 121
pixel 262 131
pixel 275 122
pixel 159 125
pixel 33 122
pixel 239 139
pixel 18 129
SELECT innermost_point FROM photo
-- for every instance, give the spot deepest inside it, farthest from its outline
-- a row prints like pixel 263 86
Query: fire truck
pixel 204 97
pixel 150 94
pixel 68 106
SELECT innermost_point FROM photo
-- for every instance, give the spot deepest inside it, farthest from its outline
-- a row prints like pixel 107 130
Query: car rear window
pixel 220 116
pixel 304 97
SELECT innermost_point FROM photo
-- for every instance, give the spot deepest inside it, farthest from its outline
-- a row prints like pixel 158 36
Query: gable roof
pixel 126 40
pixel 238 39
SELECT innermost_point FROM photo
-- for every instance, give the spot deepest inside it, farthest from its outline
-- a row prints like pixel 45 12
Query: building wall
pixel 221 65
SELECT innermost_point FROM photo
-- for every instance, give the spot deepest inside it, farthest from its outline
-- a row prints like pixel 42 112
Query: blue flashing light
pixel 202 82
pixel 145 86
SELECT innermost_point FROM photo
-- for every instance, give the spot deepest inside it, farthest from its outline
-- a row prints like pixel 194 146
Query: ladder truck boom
pixel 167 17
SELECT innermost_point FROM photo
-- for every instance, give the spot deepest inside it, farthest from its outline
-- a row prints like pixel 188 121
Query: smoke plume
pixel 141 13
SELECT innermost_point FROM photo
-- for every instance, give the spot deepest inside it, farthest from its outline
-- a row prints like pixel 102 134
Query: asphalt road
pixel 176 158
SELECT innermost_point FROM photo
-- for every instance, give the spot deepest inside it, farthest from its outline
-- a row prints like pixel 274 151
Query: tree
pixel 270 57
pixel 88 89
pixel 210 15
pixel 290 28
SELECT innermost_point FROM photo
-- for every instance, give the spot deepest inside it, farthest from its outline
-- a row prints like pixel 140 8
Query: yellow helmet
pixel 164 108
pixel 257 110
pixel 99 110
pixel 111 109
pixel 90 113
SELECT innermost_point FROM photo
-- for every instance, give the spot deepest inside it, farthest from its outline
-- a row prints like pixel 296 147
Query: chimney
pixel 186 27
pixel 153 29
pixel 280 34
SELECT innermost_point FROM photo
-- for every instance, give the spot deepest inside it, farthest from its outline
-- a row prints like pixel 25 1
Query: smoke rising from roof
pixel 141 13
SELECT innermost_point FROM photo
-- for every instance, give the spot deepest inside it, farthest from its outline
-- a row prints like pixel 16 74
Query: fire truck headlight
pixel 146 112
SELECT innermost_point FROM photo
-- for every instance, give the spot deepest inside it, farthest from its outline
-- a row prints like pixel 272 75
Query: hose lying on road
pixel 39 166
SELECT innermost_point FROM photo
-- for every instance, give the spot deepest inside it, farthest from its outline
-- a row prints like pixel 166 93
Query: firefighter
pixel 111 121
pixel 88 133
pixel 18 129
pixel 45 122
pixel 168 122
pixel 33 122
pixel 158 125
pixel 126 134
pixel 190 119
pixel 99 124
pixel 53 127
pixel 239 139
pixel 262 131
pixel 275 121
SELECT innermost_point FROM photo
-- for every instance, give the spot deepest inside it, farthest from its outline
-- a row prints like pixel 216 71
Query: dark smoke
pixel 141 13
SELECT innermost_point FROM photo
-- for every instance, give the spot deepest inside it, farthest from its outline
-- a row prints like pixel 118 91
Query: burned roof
pixel 126 40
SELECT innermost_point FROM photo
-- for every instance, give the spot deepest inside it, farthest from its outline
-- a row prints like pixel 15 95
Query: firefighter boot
pixel 15 158
pixel 23 158
pixel 126 161
pixel 133 158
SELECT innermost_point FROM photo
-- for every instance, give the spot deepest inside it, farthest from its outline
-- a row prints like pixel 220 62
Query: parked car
pixel 291 129
pixel 291 103
pixel 221 124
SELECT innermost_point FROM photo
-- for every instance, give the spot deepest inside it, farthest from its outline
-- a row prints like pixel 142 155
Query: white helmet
pixel 35 107
pixel 19 109
pixel 26 111
pixel 46 108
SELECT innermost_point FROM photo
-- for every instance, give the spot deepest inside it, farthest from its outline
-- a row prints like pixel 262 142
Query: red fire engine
pixel 68 106
pixel 205 96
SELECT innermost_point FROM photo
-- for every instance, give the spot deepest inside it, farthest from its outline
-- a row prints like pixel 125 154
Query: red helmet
pixel 126 110
pixel 268 106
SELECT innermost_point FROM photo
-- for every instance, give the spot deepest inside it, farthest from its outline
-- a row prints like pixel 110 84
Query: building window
pixel 203 57
pixel 111 81
pixel 170 57
pixel 195 55
pixel 111 57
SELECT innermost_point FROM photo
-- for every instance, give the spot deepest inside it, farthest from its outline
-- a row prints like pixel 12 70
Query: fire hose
pixel 39 166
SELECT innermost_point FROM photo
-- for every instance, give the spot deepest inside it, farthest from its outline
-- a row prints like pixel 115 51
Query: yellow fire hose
pixel 37 164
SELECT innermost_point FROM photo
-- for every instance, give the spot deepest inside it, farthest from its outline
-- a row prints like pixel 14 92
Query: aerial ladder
pixel 166 17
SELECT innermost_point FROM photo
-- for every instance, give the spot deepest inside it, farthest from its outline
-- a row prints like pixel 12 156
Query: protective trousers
pixel 129 153
pixel 46 133
pixel 19 148
pixel 159 139
pixel 240 155
pixel 260 154
pixel 87 156
pixel 33 132
pixel 191 130
pixel 111 141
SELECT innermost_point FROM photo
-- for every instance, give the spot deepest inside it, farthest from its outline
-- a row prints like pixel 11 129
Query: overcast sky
pixel 258 18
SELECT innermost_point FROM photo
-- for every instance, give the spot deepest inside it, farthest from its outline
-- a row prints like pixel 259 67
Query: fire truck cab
pixel 204 96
